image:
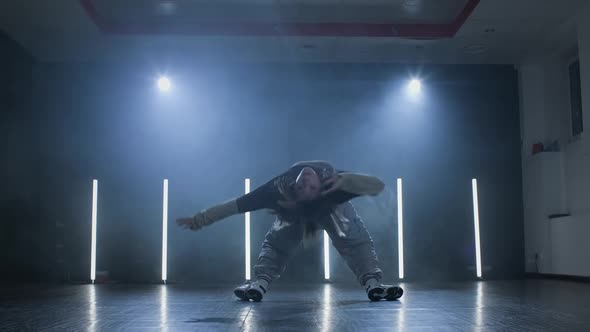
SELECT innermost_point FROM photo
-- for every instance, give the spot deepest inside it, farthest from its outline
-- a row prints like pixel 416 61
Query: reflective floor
pixel 534 305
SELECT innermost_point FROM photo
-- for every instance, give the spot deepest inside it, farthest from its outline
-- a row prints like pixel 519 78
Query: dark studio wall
pixel 20 225
pixel 224 122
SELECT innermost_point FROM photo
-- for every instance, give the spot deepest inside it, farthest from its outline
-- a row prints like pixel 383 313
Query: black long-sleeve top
pixel 280 188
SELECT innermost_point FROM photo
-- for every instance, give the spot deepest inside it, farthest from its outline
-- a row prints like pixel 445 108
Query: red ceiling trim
pixel 464 15
pixel 91 11
pixel 426 31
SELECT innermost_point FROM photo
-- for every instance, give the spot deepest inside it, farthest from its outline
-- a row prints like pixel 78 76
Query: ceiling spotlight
pixel 164 84
pixel 414 86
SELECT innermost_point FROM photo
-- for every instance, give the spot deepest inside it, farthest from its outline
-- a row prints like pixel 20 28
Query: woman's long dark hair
pixel 308 213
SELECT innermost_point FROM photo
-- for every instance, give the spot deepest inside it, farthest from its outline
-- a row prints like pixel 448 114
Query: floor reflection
pixel 247 319
pixel 91 298
pixel 326 309
pixel 401 313
pixel 479 305
pixel 164 308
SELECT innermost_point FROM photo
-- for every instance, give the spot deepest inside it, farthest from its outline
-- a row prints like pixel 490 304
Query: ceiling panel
pixel 498 31
pixel 402 18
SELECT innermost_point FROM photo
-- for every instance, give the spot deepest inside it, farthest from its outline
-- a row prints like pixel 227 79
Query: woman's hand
pixel 332 184
pixel 193 223
pixel 185 223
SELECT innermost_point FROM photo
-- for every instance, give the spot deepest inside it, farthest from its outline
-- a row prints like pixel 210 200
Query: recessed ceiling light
pixel 411 3
pixel 167 7
pixel 475 49
pixel 412 6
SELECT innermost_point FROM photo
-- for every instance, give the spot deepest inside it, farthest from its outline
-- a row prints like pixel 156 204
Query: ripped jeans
pixel 352 241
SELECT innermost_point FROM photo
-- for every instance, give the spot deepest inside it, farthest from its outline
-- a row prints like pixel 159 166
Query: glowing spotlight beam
pixel 93 236
pixel 476 227
pixel 400 229
pixel 326 256
pixel 165 231
pixel 247 231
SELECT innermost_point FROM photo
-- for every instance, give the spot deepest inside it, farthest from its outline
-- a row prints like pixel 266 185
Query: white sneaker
pixel 240 291
pixel 378 291
pixel 251 291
